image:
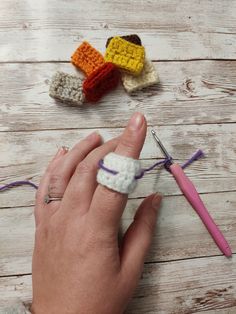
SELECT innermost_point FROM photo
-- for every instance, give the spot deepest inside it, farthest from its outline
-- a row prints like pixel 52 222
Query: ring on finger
pixel 48 199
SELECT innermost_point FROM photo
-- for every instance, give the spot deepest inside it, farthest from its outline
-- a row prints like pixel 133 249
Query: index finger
pixel 107 205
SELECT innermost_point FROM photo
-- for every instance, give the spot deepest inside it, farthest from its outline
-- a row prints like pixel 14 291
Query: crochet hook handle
pixel 194 199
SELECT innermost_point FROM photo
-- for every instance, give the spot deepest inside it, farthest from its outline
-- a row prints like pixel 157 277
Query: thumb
pixel 138 237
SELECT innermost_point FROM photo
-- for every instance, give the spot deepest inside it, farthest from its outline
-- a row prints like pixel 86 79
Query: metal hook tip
pixel 158 141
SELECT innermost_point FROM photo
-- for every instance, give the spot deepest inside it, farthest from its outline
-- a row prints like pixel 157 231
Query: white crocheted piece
pixel 127 168
pixel 67 88
pixel 147 78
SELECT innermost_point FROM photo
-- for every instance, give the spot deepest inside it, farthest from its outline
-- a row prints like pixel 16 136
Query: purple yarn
pixel 199 154
pixel 17 183
pixel 101 165
pixel 139 176
pixel 166 162
pixel 162 162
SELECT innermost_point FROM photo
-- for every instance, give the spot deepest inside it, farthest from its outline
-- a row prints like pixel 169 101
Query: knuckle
pixel 148 225
pixel 128 143
pixel 110 196
pixel 51 166
pixel 94 239
pixel 82 147
pixel 85 167
pixel 55 178
pixel 78 146
pixel 56 184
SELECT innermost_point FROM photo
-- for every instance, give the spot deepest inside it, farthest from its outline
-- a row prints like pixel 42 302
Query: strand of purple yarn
pixel 101 165
pixel 199 154
pixel 17 183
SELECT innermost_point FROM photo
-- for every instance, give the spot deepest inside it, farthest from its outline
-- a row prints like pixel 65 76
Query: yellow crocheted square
pixel 87 58
pixel 125 55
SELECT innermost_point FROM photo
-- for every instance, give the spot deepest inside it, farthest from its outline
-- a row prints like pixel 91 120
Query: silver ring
pixel 48 199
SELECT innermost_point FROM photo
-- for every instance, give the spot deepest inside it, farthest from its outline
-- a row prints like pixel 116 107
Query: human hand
pixel 78 264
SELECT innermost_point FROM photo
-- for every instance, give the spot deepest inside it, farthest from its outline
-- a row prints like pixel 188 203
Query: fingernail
pixel 65 148
pixel 92 136
pixel 156 201
pixel 136 121
pixel 61 151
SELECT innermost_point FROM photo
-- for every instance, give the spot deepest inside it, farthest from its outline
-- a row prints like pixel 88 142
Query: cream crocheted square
pixel 147 78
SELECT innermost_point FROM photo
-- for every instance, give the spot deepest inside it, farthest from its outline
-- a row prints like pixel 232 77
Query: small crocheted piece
pixel 148 77
pixel 67 88
pixel 101 81
pixel 127 168
pixel 125 55
pixel 87 58
pixel 133 38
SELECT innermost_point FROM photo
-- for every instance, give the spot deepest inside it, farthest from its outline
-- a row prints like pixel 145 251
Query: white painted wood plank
pixel 16 240
pixel 179 232
pixel 230 310
pixel 57 45
pixel 170 30
pixel 202 16
pixel 24 155
pixel 189 286
pixel 189 93
pixel 14 290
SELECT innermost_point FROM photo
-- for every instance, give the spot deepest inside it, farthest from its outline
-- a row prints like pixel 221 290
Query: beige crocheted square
pixel 67 88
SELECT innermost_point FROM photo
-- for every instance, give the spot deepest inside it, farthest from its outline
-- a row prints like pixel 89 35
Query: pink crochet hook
pixel 194 199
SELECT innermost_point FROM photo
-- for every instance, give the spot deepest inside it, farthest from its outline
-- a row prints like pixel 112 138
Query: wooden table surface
pixel 193 45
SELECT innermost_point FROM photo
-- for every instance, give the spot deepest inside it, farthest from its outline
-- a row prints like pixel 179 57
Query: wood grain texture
pixel 189 93
pixel 24 155
pixel 193 107
pixel 189 286
pixel 179 232
pixel 230 310
pixel 170 29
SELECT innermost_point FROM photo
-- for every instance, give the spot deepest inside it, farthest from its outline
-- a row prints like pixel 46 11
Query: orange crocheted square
pixel 87 58
pixel 101 81
pixel 125 55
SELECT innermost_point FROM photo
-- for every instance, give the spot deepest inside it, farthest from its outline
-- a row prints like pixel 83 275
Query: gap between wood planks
pixel 111 127
pixel 145 263
pixel 153 60
pixel 129 198
pixel 186 259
